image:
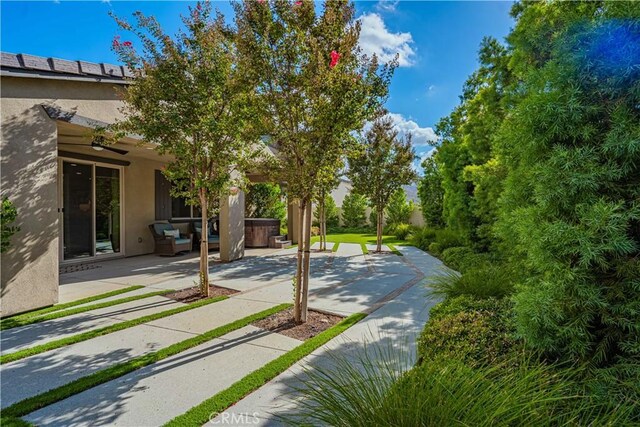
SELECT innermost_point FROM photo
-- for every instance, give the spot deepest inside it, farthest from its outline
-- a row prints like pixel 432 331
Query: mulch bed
pixel 193 294
pixel 282 323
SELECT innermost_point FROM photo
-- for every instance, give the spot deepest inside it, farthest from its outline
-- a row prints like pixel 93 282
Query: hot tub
pixel 258 230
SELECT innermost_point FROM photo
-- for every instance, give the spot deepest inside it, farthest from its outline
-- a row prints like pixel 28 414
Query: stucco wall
pixel 29 178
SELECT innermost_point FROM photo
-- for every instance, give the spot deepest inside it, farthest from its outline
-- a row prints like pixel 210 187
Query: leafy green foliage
pixel 462 258
pixel 484 281
pixel 398 209
pixel 402 231
pixel 8 214
pixel 422 237
pixel 265 200
pixel 476 331
pixel 354 208
pixel 380 387
pixel 570 204
pixel 431 193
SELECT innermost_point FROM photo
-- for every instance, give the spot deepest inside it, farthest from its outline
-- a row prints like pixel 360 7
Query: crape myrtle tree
pixel 186 99
pixel 313 88
pixel 381 166
pixel 571 205
pixel 327 181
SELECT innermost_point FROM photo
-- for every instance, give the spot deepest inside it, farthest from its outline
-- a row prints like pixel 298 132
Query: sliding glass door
pixel 90 210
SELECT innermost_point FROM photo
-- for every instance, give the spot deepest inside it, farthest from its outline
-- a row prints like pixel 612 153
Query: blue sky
pixel 437 41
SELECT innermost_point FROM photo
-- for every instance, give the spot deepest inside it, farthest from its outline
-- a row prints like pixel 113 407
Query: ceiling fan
pixel 97 144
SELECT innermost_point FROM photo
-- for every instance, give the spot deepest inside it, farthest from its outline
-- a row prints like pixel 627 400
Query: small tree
pixel 398 209
pixel 354 210
pixel 381 166
pixel 314 88
pixel 431 193
pixel 8 214
pixel 326 183
pixel 265 200
pixel 186 99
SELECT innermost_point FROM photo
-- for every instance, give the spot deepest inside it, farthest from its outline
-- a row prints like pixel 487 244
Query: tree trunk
pixel 204 246
pixel 379 230
pixel 298 279
pixel 307 261
pixel 323 236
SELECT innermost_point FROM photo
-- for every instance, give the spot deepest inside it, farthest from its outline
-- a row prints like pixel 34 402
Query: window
pixel 168 207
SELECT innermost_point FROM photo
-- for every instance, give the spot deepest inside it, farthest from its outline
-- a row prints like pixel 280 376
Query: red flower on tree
pixel 116 41
pixel 127 44
pixel 335 57
pixel 298 3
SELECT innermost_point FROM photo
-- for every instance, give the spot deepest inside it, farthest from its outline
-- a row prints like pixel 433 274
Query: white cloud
pixel 422 136
pixel 424 156
pixel 387 5
pixel 376 38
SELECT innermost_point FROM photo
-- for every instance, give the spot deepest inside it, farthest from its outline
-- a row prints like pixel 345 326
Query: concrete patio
pixel 388 286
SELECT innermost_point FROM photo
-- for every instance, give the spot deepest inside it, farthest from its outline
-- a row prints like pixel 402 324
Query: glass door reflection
pixel 77 214
pixel 107 218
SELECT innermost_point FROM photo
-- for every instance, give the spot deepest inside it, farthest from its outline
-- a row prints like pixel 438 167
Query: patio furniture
pixel 213 240
pixel 168 244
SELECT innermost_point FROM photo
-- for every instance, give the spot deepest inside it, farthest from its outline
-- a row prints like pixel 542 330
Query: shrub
pixel 435 248
pixel 402 231
pixel 423 237
pixel 8 214
pixel 379 388
pixel 354 207
pixel 486 281
pixel 463 258
pixel 473 330
pixel 315 231
pixel 265 200
pixel 447 239
pixel 398 210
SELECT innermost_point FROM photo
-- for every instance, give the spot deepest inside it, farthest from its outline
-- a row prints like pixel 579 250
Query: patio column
pixel 232 227
pixel 293 220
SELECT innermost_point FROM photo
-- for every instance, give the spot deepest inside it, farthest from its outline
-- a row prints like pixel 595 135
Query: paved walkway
pixel 343 282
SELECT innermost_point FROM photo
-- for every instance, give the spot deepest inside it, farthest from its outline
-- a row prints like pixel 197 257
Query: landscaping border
pixel 199 415
pixel 45 310
pixel 31 404
pixel 52 345
pixel 14 323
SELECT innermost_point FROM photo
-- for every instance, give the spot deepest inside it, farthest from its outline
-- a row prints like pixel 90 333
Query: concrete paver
pixel 157 393
pixel 27 336
pixel 342 282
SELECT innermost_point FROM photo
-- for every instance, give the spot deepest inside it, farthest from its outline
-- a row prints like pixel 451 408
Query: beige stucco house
pixel 77 201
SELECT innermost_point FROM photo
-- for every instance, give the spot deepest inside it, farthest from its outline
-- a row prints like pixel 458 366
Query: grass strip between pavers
pixel 394 250
pixel 14 323
pixel 335 247
pixel 57 307
pixel 199 415
pixel 364 248
pixel 31 404
pixel 52 345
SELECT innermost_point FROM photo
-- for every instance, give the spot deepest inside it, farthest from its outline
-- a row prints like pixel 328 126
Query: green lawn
pixel 366 238
pixel 362 239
